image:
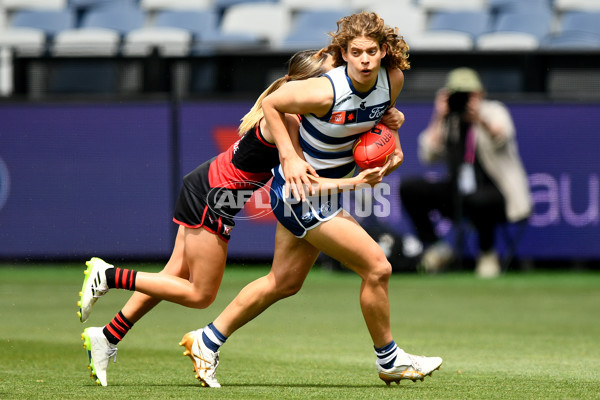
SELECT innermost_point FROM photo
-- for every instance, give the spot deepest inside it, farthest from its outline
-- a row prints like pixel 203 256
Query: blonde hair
pixel 369 24
pixel 302 65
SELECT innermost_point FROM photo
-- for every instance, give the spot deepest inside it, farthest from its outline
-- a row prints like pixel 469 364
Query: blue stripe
pixel 337 172
pixel 327 116
pixel 362 95
pixel 323 155
pixel 314 132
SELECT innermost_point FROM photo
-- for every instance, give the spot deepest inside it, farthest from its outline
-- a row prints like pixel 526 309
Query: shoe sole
pixel 388 378
pixel 87 272
pixel 88 346
pixel 187 341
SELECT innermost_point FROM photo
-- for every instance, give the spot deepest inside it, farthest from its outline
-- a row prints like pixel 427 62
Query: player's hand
pixel 395 160
pixel 393 118
pixel 371 176
pixel 296 178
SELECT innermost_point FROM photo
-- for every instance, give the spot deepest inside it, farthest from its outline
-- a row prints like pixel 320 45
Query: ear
pixel 384 48
pixel 344 55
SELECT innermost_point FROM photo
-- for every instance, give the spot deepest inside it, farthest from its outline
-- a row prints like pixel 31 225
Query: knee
pixel 283 288
pixel 201 300
pixel 379 272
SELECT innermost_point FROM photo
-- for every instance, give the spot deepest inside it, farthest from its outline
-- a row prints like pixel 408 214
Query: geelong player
pixel 348 100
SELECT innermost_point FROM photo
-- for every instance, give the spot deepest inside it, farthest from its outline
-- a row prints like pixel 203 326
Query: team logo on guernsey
pixel 343 117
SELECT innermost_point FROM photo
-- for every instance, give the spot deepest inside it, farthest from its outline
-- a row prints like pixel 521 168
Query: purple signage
pixel 79 180
pixel 95 179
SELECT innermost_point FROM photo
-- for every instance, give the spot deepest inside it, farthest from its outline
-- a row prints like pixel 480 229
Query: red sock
pixel 121 278
pixel 116 329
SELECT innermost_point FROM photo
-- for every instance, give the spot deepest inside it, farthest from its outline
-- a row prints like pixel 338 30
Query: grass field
pixel 523 336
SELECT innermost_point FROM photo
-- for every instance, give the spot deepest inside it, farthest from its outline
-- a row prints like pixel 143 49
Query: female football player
pixel 335 108
pixel 193 274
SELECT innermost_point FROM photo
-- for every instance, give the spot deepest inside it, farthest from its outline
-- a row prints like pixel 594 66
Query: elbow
pixel 400 156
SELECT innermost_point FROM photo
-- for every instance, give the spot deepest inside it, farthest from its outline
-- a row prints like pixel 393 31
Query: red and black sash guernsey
pixel 250 159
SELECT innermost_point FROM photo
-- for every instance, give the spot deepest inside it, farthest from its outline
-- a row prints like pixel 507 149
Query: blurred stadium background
pixel 106 104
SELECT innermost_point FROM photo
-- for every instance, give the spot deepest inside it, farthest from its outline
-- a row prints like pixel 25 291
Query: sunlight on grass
pixel 526 336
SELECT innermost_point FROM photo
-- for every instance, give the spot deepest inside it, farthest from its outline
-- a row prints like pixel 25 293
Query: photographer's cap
pixel 463 80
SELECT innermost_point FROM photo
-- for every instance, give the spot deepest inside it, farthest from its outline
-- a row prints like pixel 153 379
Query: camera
pixel 457 102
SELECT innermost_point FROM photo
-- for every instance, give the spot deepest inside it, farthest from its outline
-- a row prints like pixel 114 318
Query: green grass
pixel 523 336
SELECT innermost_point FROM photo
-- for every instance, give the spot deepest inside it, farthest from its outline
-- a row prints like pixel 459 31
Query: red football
pixel 373 147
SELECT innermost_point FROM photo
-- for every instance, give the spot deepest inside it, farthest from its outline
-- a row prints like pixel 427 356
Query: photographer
pixel 486 182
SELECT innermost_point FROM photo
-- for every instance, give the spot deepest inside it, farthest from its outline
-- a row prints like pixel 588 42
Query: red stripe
pixel 124 278
pixel 113 332
pixel 262 139
pixel 130 279
pixel 120 320
pixel 117 277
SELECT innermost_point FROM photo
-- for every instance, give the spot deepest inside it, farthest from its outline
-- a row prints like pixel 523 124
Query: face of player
pixel 363 57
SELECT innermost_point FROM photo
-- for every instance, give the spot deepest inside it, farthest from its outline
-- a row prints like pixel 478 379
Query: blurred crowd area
pixel 235 47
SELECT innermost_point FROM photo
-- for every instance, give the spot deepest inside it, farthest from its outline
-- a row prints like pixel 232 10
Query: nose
pixel 364 58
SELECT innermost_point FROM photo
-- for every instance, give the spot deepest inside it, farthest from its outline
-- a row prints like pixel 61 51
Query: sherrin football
pixel 373 148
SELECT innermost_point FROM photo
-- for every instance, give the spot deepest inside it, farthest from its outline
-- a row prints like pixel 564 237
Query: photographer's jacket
pixel 498 158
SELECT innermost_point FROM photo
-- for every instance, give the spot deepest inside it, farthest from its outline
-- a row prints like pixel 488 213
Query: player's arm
pixel 292 123
pixel 297 97
pixel 396 83
pixel 371 177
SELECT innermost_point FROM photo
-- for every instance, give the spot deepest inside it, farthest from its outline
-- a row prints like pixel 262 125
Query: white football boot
pixel 408 366
pixel 94 286
pixel 100 351
pixel 205 360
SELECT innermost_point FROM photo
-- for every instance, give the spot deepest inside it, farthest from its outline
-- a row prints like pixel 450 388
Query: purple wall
pixel 95 179
pixel 84 180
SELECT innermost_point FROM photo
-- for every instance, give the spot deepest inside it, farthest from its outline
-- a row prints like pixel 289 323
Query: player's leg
pixel 101 342
pixel 292 261
pixel 345 240
pixel 205 254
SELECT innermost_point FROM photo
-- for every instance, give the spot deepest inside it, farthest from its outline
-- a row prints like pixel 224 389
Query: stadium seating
pixel 576 5
pixel 100 31
pixel 31 29
pixel 157 5
pixel 265 21
pixel 517 31
pixel 520 6
pixel 579 30
pixel 34 4
pixel 171 34
pixel 409 19
pixel 453 5
pixel 310 29
pixel 453 30
pixel 314 5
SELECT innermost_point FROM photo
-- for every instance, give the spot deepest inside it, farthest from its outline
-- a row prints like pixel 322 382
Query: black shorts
pixel 193 208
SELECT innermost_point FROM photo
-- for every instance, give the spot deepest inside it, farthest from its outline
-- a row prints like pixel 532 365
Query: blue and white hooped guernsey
pixel 327 145
pixel 327 141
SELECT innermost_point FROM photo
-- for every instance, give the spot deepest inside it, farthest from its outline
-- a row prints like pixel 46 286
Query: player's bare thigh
pixel 293 259
pixel 345 240
pixel 206 255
